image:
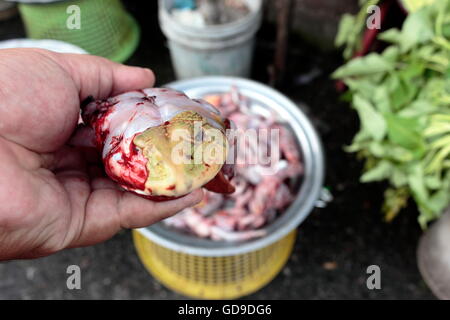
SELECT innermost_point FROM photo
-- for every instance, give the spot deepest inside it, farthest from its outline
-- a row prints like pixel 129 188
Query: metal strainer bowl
pixel 204 268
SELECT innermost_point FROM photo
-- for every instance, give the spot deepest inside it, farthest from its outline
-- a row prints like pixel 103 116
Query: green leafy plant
pixel 351 29
pixel 402 97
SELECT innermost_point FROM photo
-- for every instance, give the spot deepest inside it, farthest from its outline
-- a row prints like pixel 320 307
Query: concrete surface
pixel 334 246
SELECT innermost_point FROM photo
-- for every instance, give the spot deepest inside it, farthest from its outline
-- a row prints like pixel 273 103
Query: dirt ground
pixel 335 245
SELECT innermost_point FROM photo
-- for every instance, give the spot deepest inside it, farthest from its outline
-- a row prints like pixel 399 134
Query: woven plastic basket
pixel 207 269
pixel 201 277
pixel 106 29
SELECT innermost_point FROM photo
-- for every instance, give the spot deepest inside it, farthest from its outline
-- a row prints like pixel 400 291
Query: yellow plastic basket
pixel 227 277
pixel 202 268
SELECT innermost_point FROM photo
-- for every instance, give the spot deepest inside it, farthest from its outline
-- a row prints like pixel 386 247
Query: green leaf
pixel 425 51
pixel 361 66
pixel 371 121
pixel 418 108
pixel 392 82
pixel 389 151
pixel 392 35
pixel 360 141
pixel 441 142
pixel 378 149
pixel 400 154
pixel 381 99
pixel 426 215
pixel 417 183
pixel 394 201
pixel 398 178
pixel 446 164
pixel 403 93
pixel 391 54
pixel 436 203
pixel 436 163
pixel 417 29
pixel 345 31
pixel 433 181
pixel 404 132
pixel 363 86
pixel 437 129
pixel 413 70
pixel 379 172
pixel 439 201
pixel 444 187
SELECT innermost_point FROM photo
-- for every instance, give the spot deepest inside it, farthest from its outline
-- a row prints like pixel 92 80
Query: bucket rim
pixel 249 24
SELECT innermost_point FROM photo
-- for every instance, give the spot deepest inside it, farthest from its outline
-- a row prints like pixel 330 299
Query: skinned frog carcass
pixel 160 144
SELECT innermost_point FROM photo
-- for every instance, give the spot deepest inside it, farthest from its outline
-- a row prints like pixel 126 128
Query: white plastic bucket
pixel 224 49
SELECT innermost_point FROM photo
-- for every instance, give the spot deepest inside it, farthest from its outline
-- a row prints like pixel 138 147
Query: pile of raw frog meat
pixel 260 195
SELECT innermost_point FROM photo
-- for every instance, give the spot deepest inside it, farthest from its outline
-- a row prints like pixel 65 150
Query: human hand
pixel 52 196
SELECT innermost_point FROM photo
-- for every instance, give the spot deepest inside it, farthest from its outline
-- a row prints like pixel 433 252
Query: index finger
pixel 101 78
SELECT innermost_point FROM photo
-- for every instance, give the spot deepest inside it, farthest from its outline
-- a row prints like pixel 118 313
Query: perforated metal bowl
pixel 263 99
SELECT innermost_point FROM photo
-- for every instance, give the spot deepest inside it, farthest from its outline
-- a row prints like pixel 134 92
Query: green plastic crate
pixel 107 30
